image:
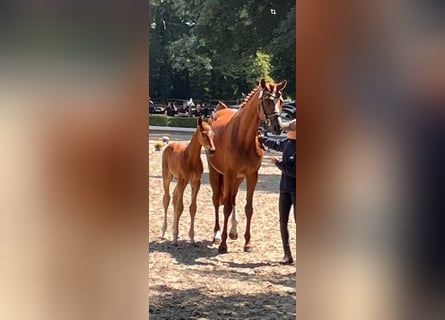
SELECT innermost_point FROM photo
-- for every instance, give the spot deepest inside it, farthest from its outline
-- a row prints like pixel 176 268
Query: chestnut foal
pixel 183 161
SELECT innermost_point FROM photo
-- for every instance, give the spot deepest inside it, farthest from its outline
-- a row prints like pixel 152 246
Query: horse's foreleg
pixel 229 183
pixel 217 228
pixel 227 211
pixel 216 184
pixel 178 206
pixel 195 189
pixel 166 201
pixel 251 184
pixel 233 234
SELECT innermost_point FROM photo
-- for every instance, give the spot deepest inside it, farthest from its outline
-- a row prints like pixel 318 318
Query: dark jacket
pixel 288 163
pixel 170 111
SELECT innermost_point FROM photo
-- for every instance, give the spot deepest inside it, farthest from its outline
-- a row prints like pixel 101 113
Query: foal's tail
pixel 165 156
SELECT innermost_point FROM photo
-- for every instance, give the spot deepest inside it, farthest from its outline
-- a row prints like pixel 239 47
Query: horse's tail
pixel 165 156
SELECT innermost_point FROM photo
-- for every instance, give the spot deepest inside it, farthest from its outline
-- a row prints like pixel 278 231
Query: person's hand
pixel 260 133
pixel 260 139
pixel 274 160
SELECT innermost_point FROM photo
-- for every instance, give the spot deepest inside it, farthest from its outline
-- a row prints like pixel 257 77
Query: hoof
pixel 248 249
pixel 216 241
pixel 233 235
pixel 287 259
pixel 222 249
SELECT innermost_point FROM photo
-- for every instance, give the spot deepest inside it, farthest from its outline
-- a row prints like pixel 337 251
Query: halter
pixel 275 99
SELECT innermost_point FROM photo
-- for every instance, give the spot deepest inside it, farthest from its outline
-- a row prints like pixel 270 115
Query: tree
pixel 283 49
pixel 209 48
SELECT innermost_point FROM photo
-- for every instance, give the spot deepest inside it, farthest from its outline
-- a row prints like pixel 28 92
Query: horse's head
pixel 270 104
pixel 206 136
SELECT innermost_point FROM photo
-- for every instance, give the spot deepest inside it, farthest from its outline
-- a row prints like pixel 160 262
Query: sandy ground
pixel 194 281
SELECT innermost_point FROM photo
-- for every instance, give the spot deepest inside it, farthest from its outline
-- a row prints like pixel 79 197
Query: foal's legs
pixel 178 207
pixel 251 181
pixel 166 179
pixel 216 182
pixel 195 189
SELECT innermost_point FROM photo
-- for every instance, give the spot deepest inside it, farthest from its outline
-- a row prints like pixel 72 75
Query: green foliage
pixel 262 63
pixel 219 49
pixel 165 121
pixel 184 122
pixel 283 46
pixel 158 120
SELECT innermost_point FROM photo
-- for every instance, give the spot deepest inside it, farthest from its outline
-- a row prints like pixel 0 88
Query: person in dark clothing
pixel 184 110
pixel 287 183
pixel 170 110
pixel 198 112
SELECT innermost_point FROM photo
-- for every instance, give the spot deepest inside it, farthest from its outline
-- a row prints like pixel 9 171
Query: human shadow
pixel 289 281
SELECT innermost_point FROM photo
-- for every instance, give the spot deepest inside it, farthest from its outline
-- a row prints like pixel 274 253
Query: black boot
pixel 287 259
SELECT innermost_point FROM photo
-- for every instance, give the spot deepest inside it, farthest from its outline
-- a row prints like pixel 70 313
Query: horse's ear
pixel 263 83
pixel 222 104
pixel 200 122
pixel 281 85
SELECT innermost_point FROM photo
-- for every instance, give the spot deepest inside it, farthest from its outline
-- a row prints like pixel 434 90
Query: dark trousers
pixel 287 200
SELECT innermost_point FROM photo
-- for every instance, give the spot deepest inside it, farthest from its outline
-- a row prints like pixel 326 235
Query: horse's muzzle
pixel 211 152
pixel 275 127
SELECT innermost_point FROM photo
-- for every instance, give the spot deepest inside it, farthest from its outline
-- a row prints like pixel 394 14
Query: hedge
pixel 158 120
pixel 165 121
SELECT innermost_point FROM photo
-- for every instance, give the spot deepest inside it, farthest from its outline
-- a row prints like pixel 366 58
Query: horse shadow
pixel 185 252
pixel 195 304
pixel 243 272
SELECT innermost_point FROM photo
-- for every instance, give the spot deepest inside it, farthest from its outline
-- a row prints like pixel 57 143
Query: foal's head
pixel 205 136
pixel 270 104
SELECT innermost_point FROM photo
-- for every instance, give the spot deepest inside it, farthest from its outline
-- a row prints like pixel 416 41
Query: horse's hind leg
pixel 216 182
pixel 233 234
pixel 166 179
pixel 195 189
pixel 178 206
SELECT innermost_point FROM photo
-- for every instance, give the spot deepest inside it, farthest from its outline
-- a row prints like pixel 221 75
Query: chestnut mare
pixel 184 162
pixel 238 154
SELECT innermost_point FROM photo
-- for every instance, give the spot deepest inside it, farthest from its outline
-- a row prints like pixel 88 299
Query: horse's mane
pixel 249 95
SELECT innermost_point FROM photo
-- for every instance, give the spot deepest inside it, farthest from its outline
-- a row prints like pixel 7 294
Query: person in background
pixel 170 110
pixel 205 109
pixel 184 110
pixel 198 111
pixel 190 103
pixel 287 165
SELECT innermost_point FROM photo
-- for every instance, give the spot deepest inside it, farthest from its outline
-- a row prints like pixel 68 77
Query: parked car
pixel 155 108
pixel 289 111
